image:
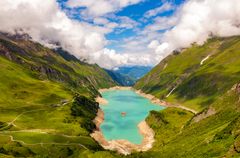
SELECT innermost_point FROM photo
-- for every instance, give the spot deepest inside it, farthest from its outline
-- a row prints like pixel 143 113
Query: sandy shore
pixel 155 100
pixel 101 100
pixel 123 146
pixel 114 88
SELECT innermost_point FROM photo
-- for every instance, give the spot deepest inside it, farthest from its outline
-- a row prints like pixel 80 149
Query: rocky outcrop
pixel 237 88
pixel 205 114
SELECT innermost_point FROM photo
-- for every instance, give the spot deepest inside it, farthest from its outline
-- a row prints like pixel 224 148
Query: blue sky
pixel 134 12
pixel 143 32
pixel 115 33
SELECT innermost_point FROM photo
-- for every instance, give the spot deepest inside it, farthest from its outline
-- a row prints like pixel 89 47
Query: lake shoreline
pixel 157 101
pixel 151 97
pixel 122 146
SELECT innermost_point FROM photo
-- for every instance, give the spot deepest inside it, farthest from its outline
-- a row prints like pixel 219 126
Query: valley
pixel 119 79
pixel 45 115
pixel 37 98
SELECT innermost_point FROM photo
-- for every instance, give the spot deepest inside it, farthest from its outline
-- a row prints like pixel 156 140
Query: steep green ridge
pixel 212 88
pixel 46 101
pixel 196 85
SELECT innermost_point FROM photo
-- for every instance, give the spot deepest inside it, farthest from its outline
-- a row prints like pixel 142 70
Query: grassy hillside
pixel 179 135
pixel 205 78
pixel 47 106
pixel 194 84
pixel 46 102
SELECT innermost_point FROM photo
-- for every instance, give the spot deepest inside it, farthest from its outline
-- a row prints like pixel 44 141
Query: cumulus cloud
pixel 197 21
pixel 47 24
pixel 110 59
pixel 193 22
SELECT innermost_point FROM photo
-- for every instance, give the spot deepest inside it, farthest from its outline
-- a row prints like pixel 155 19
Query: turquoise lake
pixel 136 107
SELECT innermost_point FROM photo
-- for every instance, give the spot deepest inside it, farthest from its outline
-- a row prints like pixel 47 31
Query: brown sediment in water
pixel 123 114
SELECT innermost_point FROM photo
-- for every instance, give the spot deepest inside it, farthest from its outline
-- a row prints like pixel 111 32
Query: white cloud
pixel 97 8
pixel 197 20
pixel 100 20
pixel 47 24
pixel 154 44
pixel 161 23
pixel 126 22
pixel 165 7
pixel 109 59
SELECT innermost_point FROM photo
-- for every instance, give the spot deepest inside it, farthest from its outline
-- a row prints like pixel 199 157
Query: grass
pixel 197 85
pixel 214 136
pixel 37 92
pixel 41 116
pixel 33 99
pixel 167 124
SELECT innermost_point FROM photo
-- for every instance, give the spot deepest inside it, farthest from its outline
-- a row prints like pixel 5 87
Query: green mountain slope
pixel 211 133
pixel 183 79
pixel 205 78
pixel 46 100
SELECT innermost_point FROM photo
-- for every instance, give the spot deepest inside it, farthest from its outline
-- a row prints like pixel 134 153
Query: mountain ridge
pixel 128 75
pixel 46 99
pixel 204 78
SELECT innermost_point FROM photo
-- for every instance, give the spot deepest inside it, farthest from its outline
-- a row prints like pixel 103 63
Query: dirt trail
pixel 42 144
pixel 41 131
pixel 18 116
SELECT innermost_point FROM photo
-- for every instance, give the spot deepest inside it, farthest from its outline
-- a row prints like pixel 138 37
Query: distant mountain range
pixel 127 76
